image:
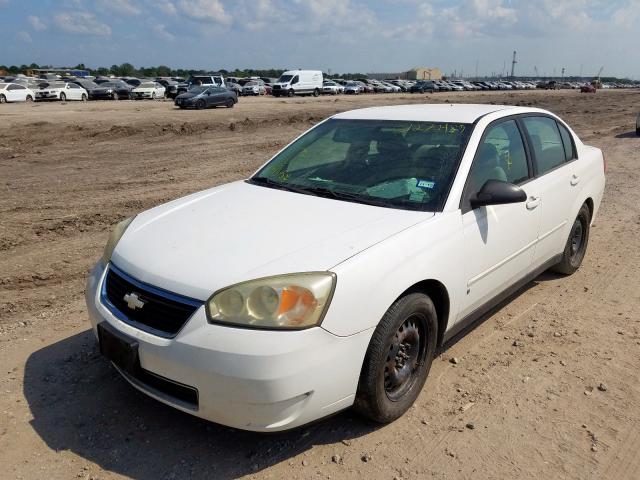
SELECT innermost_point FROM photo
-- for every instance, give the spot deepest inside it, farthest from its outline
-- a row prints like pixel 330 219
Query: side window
pixel 294 80
pixel 567 141
pixel 546 142
pixel 12 87
pixel 500 156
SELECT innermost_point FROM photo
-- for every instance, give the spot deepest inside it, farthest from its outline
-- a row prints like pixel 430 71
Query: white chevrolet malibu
pixel 330 277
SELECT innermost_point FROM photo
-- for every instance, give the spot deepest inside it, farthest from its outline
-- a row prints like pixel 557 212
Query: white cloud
pixel 81 23
pixel 119 7
pixel 205 11
pixel 24 36
pixel 161 31
pixel 628 15
pixel 167 7
pixel 36 23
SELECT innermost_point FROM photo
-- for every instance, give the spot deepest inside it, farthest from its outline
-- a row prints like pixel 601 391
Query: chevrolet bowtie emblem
pixel 133 301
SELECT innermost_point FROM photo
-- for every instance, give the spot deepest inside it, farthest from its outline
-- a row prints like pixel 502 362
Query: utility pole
pixel 513 64
pixel 563 74
pixel 476 69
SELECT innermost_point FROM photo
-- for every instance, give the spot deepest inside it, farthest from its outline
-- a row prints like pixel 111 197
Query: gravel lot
pixel 546 387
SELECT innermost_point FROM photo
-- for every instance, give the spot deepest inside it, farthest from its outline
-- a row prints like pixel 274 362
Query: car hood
pixel 236 232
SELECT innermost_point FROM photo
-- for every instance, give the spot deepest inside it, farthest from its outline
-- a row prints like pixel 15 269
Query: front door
pixel 499 239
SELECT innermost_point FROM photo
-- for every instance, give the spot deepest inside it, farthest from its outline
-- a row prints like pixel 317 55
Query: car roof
pixel 449 112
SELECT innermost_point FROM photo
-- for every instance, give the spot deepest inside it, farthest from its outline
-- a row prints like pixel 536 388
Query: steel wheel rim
pixel 405 356
pixel 577 237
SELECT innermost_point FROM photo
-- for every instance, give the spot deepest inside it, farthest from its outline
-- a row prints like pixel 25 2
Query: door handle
pixel 533 202
pixel 574 180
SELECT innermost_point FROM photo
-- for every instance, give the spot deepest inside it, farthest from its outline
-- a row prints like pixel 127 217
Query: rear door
pixel 13 93
pixel 499 239
pixel 553 153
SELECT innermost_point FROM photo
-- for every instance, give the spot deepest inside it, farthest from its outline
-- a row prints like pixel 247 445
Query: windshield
pixel 147 85
pixel 198 90
pixel 285 78
pixel 398 164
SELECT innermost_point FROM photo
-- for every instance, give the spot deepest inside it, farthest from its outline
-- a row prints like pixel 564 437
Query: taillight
pixel 604 162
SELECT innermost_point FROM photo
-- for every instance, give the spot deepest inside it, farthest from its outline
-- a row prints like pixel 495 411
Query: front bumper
pixel 248 379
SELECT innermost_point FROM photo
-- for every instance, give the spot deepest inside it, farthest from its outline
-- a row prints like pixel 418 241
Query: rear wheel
pixel 316 92
pixel 398 359
pixel 63 97
pixel 576 246
pixel 115 96
pixel 200 104
pixel 3 99
pixel 230 103
pixel 28 99
pixel 84 97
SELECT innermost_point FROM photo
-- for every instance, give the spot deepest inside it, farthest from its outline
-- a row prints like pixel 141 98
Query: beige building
pixel 418 73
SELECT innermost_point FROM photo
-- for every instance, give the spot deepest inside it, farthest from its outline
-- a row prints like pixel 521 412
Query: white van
pixel 298 82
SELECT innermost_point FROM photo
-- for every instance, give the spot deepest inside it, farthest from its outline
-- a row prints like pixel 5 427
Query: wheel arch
pixel 590 206
pixel 439 295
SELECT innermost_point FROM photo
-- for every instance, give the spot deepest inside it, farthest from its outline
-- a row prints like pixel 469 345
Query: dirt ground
pixel 564 403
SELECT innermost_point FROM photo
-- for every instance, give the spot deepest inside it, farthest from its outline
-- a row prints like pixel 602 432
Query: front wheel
pixel 153 95
pixel 200 104
pixel 28 99
pixel 3 99
pixel 63 97
pixel 576 246
pixel 230 103
pixel 316 92
pixel 115 96
pixel 398 359
pixel 84 97
pixel 291 93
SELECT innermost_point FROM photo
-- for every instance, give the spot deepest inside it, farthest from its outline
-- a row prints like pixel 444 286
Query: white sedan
pixel 330 277
pixel 331 88
pixel 62 91
pixel 14 92
pixel 150 90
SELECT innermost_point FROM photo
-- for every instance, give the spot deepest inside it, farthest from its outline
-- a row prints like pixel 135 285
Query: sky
pixel 332 35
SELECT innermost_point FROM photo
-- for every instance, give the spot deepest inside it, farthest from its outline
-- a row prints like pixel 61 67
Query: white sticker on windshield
pixel 426 184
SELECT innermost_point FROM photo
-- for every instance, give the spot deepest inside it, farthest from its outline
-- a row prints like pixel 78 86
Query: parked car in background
pixel 149 90
pixel 353 88
pixel 587 88
pixel 424 86
pixel 134 82
pixel 206 97
pixel 90 86
pixel 638 124
pixel 61 91
pixel 298 82
pixel 254 88
pixel 411 223
pixel 332 88
pixel 113 90
pixel 14 92
pixel 170 86
pixel 234 87
pixel 208 80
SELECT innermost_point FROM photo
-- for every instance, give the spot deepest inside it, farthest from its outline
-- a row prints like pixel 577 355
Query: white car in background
pixel 332 88
pixel 14 92
pixel 151 90
pixel 254 87
pixel 403 226
pixel 61 91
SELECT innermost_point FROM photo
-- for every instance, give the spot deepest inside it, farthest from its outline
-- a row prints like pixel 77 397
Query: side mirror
pixel 496 192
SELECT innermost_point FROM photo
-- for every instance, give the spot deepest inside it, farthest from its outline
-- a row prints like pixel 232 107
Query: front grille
pixel 163 313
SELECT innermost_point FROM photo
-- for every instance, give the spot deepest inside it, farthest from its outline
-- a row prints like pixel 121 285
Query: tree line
pixel 129 70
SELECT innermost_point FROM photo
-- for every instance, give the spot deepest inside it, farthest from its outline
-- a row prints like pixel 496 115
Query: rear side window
pixel 547 145
pixel 567 141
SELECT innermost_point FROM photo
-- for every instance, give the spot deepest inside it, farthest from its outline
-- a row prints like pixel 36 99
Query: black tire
pixel 115 96
pixel 638 131
pixel 316 92
pixel 28 99
pixel 576 246
pixel 398 359
pixel 84 97
pixel 230 103
pixel 63 97
pixel 153 95
pixel 291 93
pixel 200 105
pixel 3 99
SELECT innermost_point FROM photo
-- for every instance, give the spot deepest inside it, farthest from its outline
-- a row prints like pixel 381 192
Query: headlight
pixel 293 301
pixel 114 238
